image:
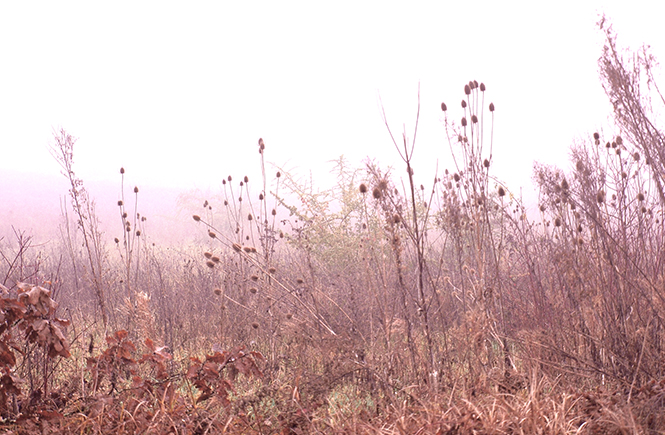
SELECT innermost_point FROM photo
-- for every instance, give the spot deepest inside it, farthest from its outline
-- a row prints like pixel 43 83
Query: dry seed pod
pixel 272 270
pixel 215 259
pixel 502 192
pixel 253 290
pixel 120 203
pixel 482 87
pixel 363 188
pixel 136 189
pixel 486 163
pixel 237 247
pixel 196 218
pixel 218 291
pixel 376 193
pixel 491 107
pixel 463 122
pixel 212 235
pixel 247 249
pixel 254 278
pixel 122 170
pixel 474 119
pixel 210 264
pixel 300 281
pixel 463 104
pixel 467 89
pixel 444 107
pixel 596 136
pixel 207 255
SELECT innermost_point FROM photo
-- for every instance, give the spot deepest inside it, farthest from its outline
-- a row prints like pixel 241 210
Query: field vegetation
pixel 392 303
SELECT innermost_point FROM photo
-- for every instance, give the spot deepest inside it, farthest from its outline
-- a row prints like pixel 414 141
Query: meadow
pixel 380 305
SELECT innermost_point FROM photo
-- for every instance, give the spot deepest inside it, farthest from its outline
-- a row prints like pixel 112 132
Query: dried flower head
pixel 197 218
pixel 236 247
pixel 300 281
pixel 136 189
pixel 557 222
pixel 600 197
pixel 463 104
pixel 580 166
pixel 456 177
pixel 212 235
pixel 482 87
pixel 363 188
pixel 207 255
pixel 467 89
pixel 210 264
pixel 116 240
pixel 463 122
pixel 122 170
pixel 376 193
pixel 229 178
pixel 486 163
pixel 138 233
pixel 250 217
pixel 636 157
pixel 491 107
pixel 248 249
pixel 253 290
pixel 246 179
pixel 273 212
pixel 120 203
pixel 596 136
pixel 260 197
pixel 218 291
pixel 501 192
pixel 278 174
pixel 255 325
pixel 215 259
pixel 289 316
pixel 254 278
pixel 272 270
pixel 619 141
pixel 640 197
pixel 444 107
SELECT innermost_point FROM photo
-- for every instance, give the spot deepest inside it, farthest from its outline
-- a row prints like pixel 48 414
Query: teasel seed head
pixel 600 197
pixel 279 174
pixel 502 192
pixel 229 178
pixel 138 233
pixel 463 104
pixel 207 255
pixel 300 281
pixel 596 136
pixel 236 247
pixel 474 119
pixel 636 156
pixel 122 170
pixel 254 278
pixel 255 325
pixel 246 179
pixel 491 107
pixel 215 259
pixel 640 197
pixel 212 235
pixel 467 89
pixel 218 291
pixel 486 163
pixel 363 188
pixel 444 107
pixel 456 177
pixel 482 87
pixel 557 222
pixel 248 249
pixel 273 212
pixel 197 218
pixel 116 240
pixel 210 264
pixel 289 316
pixel 136 189
pixel 619 141
pixel 250 217
pixel 463 122
pixel 272 270
pixel 253 290
pixel 260 197
pixel 376 193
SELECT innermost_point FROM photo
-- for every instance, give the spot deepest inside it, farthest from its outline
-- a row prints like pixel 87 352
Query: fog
pixel 180 96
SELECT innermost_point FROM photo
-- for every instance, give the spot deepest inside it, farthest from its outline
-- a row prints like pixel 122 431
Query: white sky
pixel 179 93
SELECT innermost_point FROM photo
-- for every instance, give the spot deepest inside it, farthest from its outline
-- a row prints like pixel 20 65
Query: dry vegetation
pixel 373 307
